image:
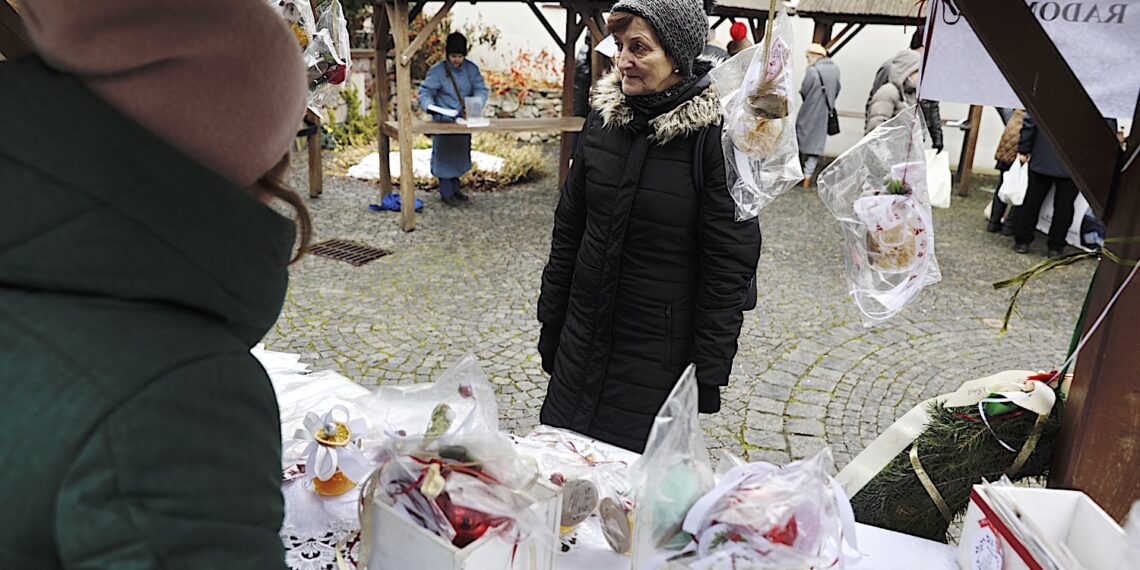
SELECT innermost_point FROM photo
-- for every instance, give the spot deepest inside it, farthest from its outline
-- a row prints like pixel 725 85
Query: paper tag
pixel 579 499
pixel 607 47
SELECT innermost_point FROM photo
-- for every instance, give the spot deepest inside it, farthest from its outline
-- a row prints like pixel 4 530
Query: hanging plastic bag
pixel 1014 183
pixel 877 191
pixel 670 476
pixel 328 56
pixel 298 14
pixel 757 95
pixel 938 178
pixel 760 515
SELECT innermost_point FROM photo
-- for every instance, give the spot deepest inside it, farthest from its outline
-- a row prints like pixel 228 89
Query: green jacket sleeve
pixel 185 474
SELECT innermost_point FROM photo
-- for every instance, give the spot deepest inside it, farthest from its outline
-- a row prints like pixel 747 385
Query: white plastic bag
pixel 670 476
pixel 938 178
pixel 757 96
pixel 877 191
pixel 1014 183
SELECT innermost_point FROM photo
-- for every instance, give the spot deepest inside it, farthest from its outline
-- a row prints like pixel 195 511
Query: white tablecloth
pixel 314 525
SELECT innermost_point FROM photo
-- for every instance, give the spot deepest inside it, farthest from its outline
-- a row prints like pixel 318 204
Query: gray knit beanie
pixel 681 25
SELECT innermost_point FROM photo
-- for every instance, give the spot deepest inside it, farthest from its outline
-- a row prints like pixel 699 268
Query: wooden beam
pixel 13 37
pixel 720 21
pixel 855 32
pixel 382 91
pixel 546 24
pixel 969 147
pixel 757 29
pixel 416 10
pixel 586 15
pixel 573 30
pixel 834 40
pixel 409 52
pixel 496 125
pixel 398 20
pixel 1099 447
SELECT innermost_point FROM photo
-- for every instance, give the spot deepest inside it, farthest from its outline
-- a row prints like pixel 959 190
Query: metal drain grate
pixel 353 253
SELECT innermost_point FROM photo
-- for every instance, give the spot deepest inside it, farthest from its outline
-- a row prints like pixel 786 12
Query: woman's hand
pixel 1023 158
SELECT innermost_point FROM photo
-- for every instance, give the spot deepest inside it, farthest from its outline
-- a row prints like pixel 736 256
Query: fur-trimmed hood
pixel 686 118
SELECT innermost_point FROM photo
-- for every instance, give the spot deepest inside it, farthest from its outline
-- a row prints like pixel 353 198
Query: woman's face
pixel 642 61
pixel 456 59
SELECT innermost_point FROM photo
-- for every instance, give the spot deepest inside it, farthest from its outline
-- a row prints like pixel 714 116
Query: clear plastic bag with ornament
pixel 758 98
pixel 761 516
pixel 446 465
pixel 877 191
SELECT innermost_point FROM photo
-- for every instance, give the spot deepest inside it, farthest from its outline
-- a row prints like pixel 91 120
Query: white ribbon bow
pixel 322 461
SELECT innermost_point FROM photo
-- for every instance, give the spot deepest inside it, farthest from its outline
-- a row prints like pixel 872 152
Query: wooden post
pixel 13 37
pixel 382 31
pixel 316 168
pixel 1099 447
pixel 822 32
pixel 969 147
pixel 398 20
pixel 597 60
pixel 573 30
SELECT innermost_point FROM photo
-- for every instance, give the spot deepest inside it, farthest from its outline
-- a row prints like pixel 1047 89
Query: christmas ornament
pixel 333 460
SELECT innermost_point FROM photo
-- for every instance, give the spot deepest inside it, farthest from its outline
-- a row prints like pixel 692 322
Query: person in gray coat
pixel 930 110
pixel 894 95
pixel 819 90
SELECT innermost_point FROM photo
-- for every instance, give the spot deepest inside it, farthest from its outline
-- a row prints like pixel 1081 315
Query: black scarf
pixel 650 106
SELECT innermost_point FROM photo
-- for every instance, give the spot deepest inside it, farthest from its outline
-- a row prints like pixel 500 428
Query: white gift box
pixel 398 543
pixel 1063 521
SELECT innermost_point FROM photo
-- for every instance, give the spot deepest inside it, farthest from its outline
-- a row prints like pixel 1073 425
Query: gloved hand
pixel 938 148
pixel 708 398
pixel 548 346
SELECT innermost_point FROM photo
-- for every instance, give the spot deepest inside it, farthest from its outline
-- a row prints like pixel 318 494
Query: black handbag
pixel 832 116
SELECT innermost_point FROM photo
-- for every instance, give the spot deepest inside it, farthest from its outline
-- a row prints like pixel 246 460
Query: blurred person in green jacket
pixel 139 262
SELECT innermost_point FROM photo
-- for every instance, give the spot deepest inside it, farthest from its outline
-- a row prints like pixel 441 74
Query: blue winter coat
pixel 451 154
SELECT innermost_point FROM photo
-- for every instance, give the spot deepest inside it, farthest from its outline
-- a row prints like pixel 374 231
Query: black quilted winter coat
pixel 647 273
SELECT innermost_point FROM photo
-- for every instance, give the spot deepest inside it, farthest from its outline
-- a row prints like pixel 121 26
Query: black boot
pixel 459 195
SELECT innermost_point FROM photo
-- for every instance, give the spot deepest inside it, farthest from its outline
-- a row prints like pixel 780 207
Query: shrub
pixel 357 129
pixel 521 162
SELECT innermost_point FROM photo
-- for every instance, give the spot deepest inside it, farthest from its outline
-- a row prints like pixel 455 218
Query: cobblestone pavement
pixel 807 373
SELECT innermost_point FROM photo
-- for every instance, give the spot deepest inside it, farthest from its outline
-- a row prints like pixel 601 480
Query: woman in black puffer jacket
pixel 648 268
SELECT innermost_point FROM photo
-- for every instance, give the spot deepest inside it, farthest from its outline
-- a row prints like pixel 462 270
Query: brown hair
pixel 272 183
pixel 618 22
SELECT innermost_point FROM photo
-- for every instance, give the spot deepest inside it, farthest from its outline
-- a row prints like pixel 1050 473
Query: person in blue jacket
pixel 448 83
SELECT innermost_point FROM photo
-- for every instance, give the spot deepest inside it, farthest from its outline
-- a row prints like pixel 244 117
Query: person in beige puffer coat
pixel 895 95
pixel 1005 155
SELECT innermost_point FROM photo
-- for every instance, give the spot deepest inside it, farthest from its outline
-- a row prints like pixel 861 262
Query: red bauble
pixel 469 524
pixel 785 535
pixel 738 31
pixel 336 74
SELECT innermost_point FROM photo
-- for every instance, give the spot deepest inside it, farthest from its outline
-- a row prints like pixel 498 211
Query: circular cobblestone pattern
pixel 807 374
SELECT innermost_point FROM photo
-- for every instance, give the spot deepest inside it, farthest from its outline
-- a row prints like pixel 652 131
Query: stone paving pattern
pixel 807 374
